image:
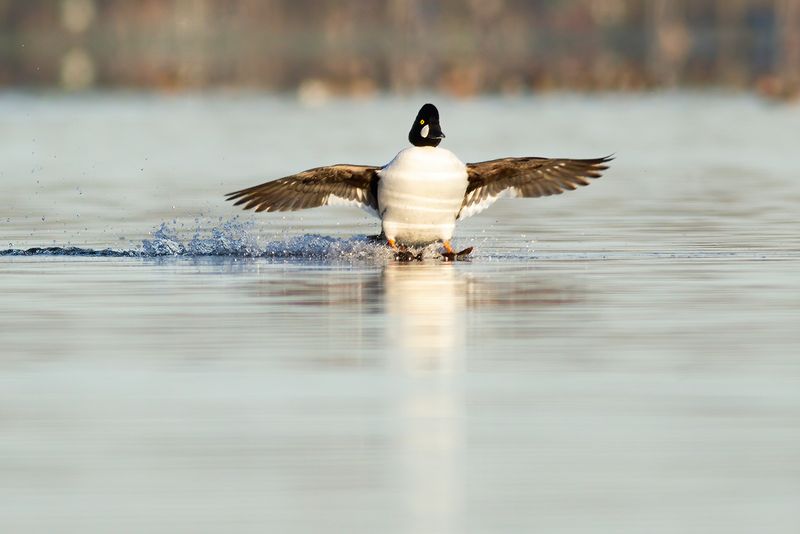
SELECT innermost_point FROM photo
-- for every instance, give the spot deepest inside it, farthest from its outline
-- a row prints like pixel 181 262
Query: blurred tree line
pixel 358 47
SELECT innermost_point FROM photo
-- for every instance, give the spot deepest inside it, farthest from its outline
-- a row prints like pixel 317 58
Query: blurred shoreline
pixel 359 48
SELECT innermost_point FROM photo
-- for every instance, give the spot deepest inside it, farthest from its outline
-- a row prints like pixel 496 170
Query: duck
pixel 422 193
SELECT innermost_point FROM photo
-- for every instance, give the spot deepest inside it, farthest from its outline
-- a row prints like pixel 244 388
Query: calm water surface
pixel 623 358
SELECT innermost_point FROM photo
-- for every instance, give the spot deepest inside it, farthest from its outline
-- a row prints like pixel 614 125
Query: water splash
pixel 233 239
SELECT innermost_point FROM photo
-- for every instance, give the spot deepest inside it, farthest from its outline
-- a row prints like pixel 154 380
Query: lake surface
pixel 622 358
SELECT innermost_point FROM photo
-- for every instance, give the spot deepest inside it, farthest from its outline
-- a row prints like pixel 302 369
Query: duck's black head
pixel 426 130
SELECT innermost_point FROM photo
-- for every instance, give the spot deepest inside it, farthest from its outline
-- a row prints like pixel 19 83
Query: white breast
pixel 419 194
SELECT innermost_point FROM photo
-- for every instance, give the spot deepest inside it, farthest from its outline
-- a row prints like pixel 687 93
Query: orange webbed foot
pixel 451 255
pixel 401 252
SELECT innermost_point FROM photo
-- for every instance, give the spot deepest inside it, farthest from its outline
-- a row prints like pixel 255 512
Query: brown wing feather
pixel 312 188
pixel 529 177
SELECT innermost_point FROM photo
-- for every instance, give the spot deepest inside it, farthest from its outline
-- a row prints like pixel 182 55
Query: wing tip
pixel 598 165
pixel 607 159
pixel 235 194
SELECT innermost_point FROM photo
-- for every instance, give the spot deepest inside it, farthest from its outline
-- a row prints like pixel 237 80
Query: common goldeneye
pixel 424 190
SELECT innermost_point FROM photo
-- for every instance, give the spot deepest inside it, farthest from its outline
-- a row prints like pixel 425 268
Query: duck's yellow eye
pixel 422 121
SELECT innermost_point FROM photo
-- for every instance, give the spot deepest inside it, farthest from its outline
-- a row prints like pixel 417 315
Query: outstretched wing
pixel 525 177
pixel 337 184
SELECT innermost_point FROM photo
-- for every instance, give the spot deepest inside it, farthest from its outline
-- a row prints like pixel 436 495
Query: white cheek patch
pixel 425 130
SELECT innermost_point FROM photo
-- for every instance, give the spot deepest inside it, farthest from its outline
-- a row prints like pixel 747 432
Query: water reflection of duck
pixel 424 303
pixel 424 190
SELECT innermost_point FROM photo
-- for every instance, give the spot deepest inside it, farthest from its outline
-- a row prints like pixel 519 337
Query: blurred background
pixel 361 47
pixel 620 359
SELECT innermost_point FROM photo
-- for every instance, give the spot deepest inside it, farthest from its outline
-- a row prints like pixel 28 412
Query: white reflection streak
pixel 424 306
